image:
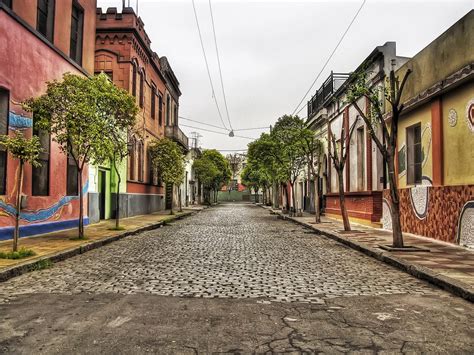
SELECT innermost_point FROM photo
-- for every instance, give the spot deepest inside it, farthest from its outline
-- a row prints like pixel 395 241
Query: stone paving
pixel 231 251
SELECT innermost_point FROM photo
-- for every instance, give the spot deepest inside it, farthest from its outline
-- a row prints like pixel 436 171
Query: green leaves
pixel 212 169
pixel 168 159
pixel 27 150
pixel 85 116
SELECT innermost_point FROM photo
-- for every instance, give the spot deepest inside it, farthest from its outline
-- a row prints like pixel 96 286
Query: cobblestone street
pixel 240 253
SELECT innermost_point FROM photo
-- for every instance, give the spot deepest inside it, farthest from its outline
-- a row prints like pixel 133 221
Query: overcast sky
pixel 271 51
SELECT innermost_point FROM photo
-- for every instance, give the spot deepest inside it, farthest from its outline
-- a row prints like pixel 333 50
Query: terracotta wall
pixel 433 211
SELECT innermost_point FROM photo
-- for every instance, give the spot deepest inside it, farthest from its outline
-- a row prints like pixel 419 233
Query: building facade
pixel 40 41
pixel 364 173
pixel 436 139
pixel 123 51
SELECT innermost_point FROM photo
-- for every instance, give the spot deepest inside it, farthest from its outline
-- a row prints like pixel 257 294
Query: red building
pixel 40 40
pixel 123 51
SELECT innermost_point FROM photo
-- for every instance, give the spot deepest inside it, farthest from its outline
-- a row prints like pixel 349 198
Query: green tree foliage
pixel 25 150
pixel 80 113
pixel 168 160
pixel 213 171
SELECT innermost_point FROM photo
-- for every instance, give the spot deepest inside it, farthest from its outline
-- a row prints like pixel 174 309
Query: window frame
pixel 153 101
pixel 134 78
pixel 160 109
pixel 42 154
pixel 78 48
pixel 141 99
pixel 69 164
pixel 50 17
pixel 414 168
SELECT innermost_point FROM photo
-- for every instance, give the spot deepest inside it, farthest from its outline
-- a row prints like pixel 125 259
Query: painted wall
pixel 458 136
pixel 446 54
pixel 24 78
pixel 421 115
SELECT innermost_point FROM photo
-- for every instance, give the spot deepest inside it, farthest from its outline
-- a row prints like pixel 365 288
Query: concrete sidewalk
pixel 445 265
pixel 60 245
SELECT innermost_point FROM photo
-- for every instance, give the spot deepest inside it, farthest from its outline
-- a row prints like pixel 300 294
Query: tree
pixel 254 177
pixel 314 155
pixel 168 159
pixel 262 155
pixel 235 162
pixel 206 171
pixel 79 113
pixel 290 136
pixel 338 154
pixel 26 151
pixel 374 118
pixel 213 170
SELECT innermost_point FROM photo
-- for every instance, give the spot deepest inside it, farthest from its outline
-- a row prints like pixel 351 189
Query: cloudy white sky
pixel 271 51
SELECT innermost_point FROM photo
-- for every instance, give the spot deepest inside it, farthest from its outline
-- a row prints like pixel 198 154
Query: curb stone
pixel 447 283
pixel 33 265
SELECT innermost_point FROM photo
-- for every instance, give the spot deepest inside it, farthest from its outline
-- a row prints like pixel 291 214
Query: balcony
pixel 176 134
pixel 325 92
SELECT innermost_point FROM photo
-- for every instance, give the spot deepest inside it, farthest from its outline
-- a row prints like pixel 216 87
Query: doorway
pixel 102 192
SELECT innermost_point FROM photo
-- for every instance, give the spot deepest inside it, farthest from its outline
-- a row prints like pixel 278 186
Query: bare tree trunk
pixel 293 197
pixel 317 216
pixel 16 234
pixel 394 204
pixel 342 201
pixel 81 205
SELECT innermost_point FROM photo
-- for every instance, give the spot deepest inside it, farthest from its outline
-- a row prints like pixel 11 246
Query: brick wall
pixel 364 205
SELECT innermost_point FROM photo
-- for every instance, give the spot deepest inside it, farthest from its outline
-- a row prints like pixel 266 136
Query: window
pixel 45 18
pixel 175 111
pixel 72 188
pixel 160 110
pixel 168 110
pixel 151 173
pixel 7 3
pixel 77 24
pixel 4 108
pixel 360 159
pixel 142 88
pixel 131 159
pixel 414 154
pixel 140 161
pixel 134 79
pixel 40 178
pixel 153 101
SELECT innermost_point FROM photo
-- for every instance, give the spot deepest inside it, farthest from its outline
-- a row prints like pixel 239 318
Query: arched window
pixel 140 161
pixel 134 78
pixel 142 88
pixel 131 158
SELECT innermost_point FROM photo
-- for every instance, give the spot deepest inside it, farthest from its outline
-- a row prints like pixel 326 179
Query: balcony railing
pixel 176 134
pixel 329 87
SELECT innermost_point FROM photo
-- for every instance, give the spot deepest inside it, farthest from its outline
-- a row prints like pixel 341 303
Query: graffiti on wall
pixel 470 115
pixel 466 225
pixel 419 197
pixel 42 214
pixel 386 215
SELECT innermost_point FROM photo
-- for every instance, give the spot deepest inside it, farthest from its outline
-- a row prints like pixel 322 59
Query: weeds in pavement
pixel 20 254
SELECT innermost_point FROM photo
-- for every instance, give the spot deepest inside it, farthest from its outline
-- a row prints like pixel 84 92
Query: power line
pixel 214 126
pixel 208 130
pixel 251 129
pixel 203 123
pixel 219 65
pixel 330 56
pixel 207 65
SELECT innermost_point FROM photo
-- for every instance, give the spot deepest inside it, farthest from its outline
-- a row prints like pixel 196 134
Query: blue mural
pixel 43 214
pixel 19 121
